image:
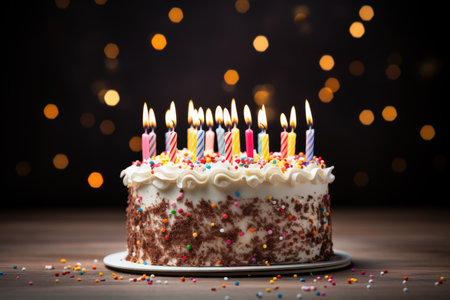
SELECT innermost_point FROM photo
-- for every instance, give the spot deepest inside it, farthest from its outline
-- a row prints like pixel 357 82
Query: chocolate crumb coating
pixel 230 231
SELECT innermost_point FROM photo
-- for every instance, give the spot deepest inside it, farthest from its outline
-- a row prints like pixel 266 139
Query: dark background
pixel 54 55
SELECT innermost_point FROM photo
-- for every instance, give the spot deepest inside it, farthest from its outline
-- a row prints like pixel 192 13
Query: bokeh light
pixel 51 111
pixel 427 132
pixel 111 97
pixel 111 50
pixel 107 127
pixel 326 62
pixel 95 180
pixel 262 93
pixel 389 113
pixel 399 165
pixel 159 41
pixel 231 77
pixel 393 72
pixel 366 13
pixel 100 2
pixel 356 68
pixel 242 6
pixel 366 117
pixel 60 161
pixel 333 84
pixel 326 95
pixel 176 15
pixel 361 179
pixel 87 119
pixel 135 144
pixel 23 168
pixel 260 43
pixel 62 3
pixel 357 29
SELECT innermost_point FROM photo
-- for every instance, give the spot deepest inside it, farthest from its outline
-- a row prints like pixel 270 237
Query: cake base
pixel 116 261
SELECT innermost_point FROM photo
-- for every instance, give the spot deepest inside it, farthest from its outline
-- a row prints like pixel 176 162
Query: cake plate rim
pixel 116 261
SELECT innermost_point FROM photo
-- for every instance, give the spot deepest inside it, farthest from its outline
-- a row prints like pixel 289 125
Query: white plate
pixel 117 261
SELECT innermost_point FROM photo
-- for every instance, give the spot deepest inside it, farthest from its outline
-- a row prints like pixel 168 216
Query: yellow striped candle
pixel 264 137
pixel 235 131
pixel 191 132
pixel 292 136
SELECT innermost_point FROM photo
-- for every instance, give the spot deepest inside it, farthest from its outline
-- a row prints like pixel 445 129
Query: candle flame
pixel 209 117
pixel 190 112
pixel 226 118
pixel 195 120
pixel 234 115
pixel 152 119
pixel 168 118
pixel 262 118
pixel 247 115
pixel 293 118
pixel 309 119
pixel 201 116
pixel 219 115
pixel 173 113
pixel 145 116
pixel 283 121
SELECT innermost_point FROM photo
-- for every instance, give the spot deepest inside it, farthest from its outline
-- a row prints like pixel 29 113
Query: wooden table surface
pixel 406 242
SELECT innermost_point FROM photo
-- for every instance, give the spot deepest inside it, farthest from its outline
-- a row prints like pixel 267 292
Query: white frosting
pixel 222 175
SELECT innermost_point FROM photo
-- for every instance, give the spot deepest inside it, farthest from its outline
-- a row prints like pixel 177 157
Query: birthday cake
pixel 213 212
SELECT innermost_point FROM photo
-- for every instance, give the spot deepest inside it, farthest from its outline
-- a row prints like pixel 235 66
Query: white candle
pixel 309 152
pixel 209 136
pixel 220 132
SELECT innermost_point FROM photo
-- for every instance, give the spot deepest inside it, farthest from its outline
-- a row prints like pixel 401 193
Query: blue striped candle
pixel 200 143
pixel 220 139
pixel 168 141
pixel 309 145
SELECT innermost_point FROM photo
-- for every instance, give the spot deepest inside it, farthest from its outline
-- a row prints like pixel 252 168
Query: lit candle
pixel 264 137
pixel 235 130
pixel 220 131
pixel 292 135
pixel 284 136
pixel 228 136
pixel 309 134
pixel 145 136
pixel 191 132
pixel 152 135
pixel 173 134
pixel 260 127
pixel 169 126
pixel 248 132
pixel 200 135
pixel 209 135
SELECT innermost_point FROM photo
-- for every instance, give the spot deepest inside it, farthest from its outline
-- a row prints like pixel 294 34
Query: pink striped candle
pixel 228 136
pixel 284 136
pixel 145 136
pixel 152 135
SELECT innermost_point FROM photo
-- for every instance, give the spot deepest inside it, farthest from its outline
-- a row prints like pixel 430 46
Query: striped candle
pixel 152 135
pixel 228 137
pixel 265 146
pixel 169 126
pixel 283 136
pixel 309 152
pixel 200 135
pixel 145 136
pixel 292 135
pixel 235 130
pixel 220 132
pixel 173 146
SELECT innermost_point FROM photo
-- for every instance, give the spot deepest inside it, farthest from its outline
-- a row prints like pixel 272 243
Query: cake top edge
pixel 213 168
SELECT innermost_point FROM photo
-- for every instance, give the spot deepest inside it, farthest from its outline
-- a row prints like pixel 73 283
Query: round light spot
pixel 366 13
pixel 361 179
pixel 326 62
pixel 333 84
pixel 325 94
pixel 107 127
pixel 23 168
pixel 51 111
pixel 260 43
pixel 176 15
pixel 242 6
pixel 356 68
pixel 231 77
pixel 87 120
pixel 159 41
pixel 60 161
pixel 111 97
pixel 393 72
pixel 366 117
pixel 399 165
pixel 95 180
pixel 111 50
pixel 427 132
pixel 389 113
pixel 135 144
pixel 357 29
